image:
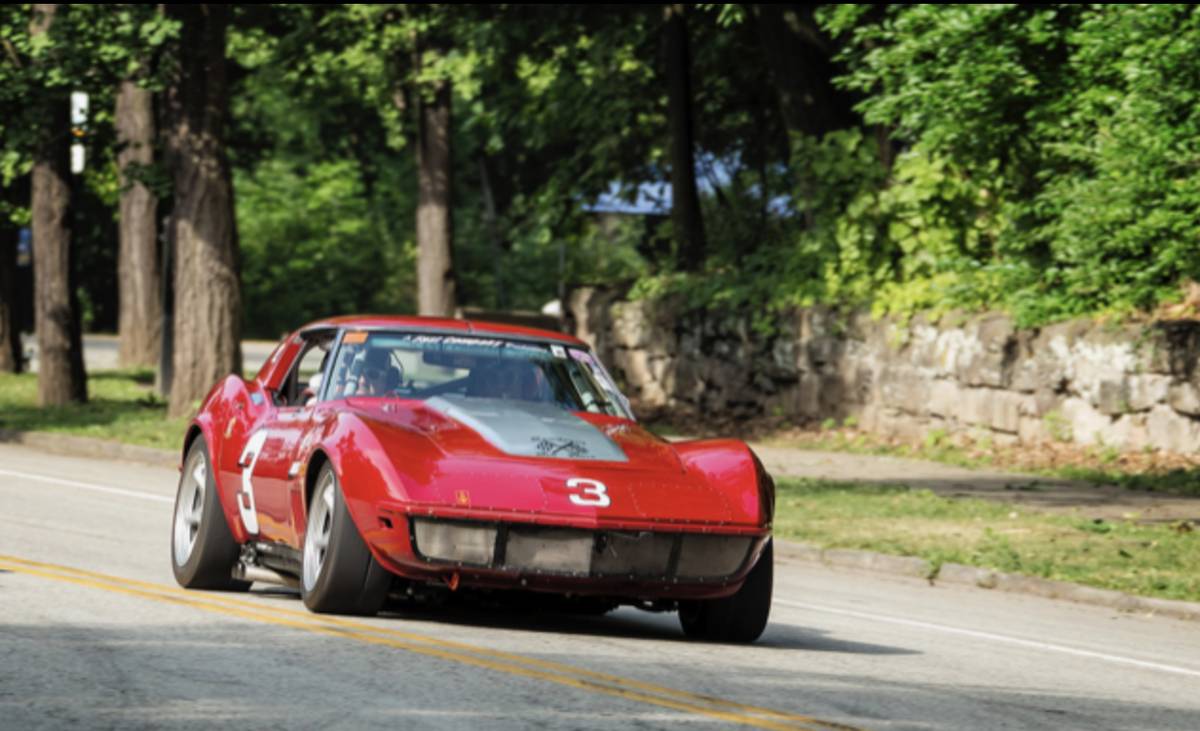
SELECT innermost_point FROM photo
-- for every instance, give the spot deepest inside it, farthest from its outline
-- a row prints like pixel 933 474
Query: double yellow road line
pixel 458 652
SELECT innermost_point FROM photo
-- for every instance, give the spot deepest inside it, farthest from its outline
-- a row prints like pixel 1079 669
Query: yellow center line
pixel 424 639
pixel 453 651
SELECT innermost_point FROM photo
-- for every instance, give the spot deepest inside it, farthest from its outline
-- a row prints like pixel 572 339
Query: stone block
pixel 956 350
pixel 1153 352
pixel 869 417
pixel 989 358
pixel 639 377
pixel 808 396
pixel 904 389
pixel 1185 398
pixel 832 395
pixel 922 350
pixel 1046 401
pixel 1032 430
pixel 1042 371
pixel 1129 432
pixel 1181 347
pixel 658 367
pixel 994 409
pixel 1095 360
pixel 859 383
pixel 631 325
pixel 1172 431
pixel 945 399
pixel 1131 394
pixel 902 426
pixel 1085 423
pixel 823 352
pixel 783 360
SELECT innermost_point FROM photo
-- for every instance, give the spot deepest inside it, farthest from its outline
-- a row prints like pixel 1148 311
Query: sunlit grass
pixel 123 406
pixel 1096 466
pixel 1148 559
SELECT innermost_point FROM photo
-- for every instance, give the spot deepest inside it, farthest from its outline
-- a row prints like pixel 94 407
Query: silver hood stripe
pixel 529 429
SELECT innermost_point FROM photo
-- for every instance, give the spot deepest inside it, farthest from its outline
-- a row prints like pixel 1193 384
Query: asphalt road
pixel 94 633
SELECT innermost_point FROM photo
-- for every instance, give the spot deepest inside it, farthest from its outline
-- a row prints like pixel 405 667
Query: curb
pixel 953 573
pixel 844 558
pixel 90 447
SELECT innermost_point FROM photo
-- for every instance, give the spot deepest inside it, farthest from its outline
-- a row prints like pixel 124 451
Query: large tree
pixel 61 378
pixel 686 217
pixel 435 235
pixel 402 59
pixel 10 336
pixel 138 280
pixel 202 228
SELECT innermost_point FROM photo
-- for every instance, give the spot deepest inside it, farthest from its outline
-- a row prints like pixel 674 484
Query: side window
pixel 301 385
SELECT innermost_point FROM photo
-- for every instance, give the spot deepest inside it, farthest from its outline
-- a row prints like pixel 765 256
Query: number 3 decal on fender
pixel 245 498
pixel 594 492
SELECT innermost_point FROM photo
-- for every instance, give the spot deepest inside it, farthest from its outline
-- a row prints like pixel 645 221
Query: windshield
pixel 421 366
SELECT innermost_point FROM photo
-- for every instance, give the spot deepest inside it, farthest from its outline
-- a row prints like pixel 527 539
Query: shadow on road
pixel 527 617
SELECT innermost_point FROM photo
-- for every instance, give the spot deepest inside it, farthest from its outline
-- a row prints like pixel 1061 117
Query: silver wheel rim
pixel 189 508
pixel 316 535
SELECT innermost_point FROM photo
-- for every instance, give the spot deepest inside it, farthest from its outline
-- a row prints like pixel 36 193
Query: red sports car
pixel 377 455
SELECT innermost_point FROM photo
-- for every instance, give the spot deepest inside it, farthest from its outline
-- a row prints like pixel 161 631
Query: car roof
pixel 443 324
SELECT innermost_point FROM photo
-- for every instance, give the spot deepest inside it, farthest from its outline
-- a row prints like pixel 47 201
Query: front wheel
pixel 338 573
pixel 203 551
pixel 741 617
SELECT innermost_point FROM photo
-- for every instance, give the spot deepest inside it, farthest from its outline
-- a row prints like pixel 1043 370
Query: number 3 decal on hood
pixel 592 492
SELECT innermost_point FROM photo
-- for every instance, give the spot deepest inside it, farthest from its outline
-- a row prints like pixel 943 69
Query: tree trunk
pixel 10 332
pixel 138 287
pixel 61 378
pixel 686 217
pixel 436 293
pixel 492 225
pixel 207 323
pixel 799 60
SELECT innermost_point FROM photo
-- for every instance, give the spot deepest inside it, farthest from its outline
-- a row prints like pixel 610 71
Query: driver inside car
pixel 378 376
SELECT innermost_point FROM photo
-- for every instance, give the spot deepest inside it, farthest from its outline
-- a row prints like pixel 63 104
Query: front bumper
pixel 603 561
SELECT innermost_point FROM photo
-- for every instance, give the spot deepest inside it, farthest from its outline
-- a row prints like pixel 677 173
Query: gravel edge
pixel 74 446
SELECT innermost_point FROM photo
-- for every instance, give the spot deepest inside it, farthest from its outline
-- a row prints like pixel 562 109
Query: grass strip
pixel 1147 470
pixel 1159 560
pixel 123 406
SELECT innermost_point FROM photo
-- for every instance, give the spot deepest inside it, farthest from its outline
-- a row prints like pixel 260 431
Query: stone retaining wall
pixel 1126 386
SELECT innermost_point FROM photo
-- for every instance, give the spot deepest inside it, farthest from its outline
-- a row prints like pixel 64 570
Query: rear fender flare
pixel 228 399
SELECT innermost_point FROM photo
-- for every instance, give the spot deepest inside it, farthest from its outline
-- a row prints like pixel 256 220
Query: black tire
pixel 342 577
pixel 741 617
pixel 199 534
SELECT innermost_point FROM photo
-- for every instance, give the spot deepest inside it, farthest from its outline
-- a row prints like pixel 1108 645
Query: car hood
pixel 536 459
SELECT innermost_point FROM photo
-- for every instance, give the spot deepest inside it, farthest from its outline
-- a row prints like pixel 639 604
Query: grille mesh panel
pixel 574 552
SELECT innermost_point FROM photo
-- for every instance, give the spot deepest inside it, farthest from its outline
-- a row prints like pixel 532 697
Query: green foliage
pixel 1067 138
pixel 1125 210
pixel 1038 159
pixel 309 250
